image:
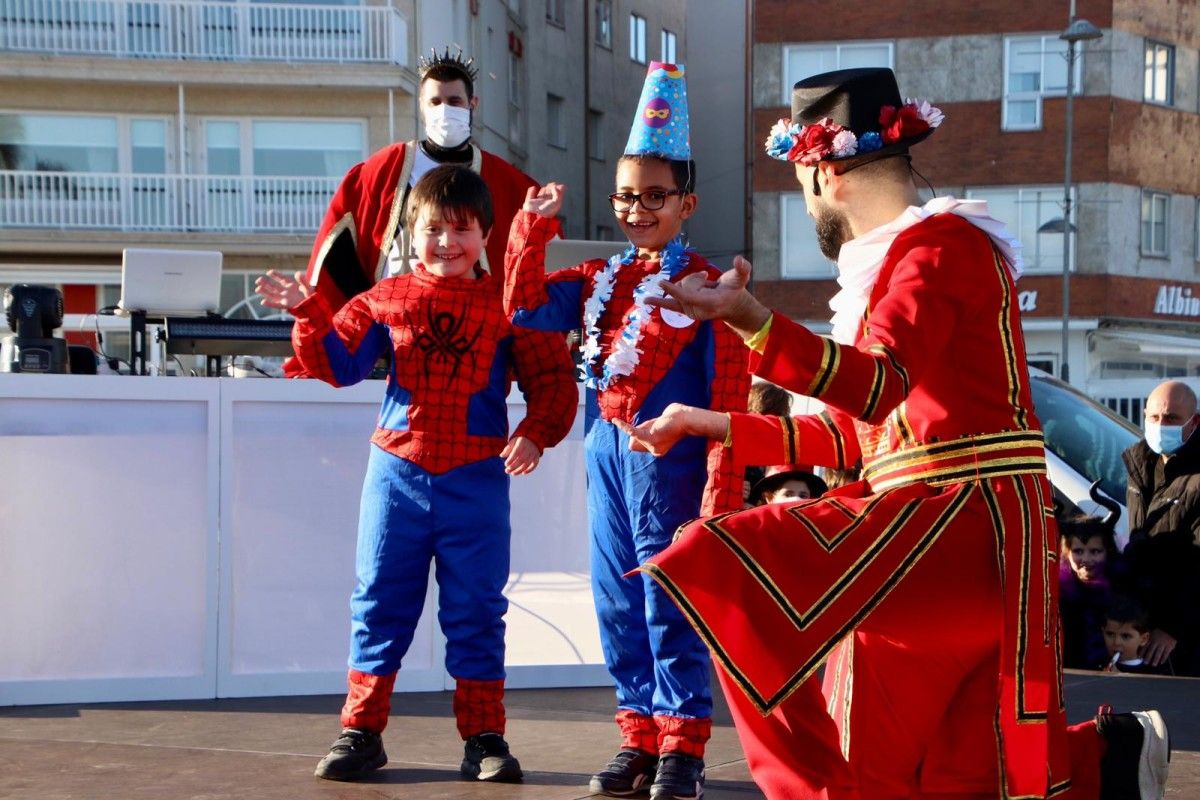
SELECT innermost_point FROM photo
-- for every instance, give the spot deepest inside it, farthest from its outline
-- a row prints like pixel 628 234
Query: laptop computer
pixel 176 283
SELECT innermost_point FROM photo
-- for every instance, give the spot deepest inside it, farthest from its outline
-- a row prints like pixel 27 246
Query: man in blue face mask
pixel 1164 525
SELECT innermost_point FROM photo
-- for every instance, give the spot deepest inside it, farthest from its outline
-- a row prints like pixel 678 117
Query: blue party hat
pixel 661 124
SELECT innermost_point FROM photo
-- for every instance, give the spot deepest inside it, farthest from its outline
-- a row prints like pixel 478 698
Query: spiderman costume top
pixel 454 354
pixel 558 302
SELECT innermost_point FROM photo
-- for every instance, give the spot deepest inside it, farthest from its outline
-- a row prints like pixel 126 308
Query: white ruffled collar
pixel 861 258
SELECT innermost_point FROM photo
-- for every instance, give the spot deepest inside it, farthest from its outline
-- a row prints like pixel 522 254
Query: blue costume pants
pixel 460 520
pixel 635 503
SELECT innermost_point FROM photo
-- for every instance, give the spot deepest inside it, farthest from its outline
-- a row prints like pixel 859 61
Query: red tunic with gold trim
pixel 934 396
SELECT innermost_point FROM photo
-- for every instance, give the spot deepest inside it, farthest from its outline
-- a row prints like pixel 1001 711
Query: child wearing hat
pixel 638 360
pixel 786 484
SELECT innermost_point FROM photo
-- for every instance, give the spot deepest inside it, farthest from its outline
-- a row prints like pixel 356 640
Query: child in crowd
pixel 1126 632
pixel 1090 574
pixel 637 360
pixel 786 484
pixel 437 477
pixel 765 398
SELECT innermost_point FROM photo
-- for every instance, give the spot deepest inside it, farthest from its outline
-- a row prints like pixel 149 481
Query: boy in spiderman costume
pixel 635 362
pixel 437 477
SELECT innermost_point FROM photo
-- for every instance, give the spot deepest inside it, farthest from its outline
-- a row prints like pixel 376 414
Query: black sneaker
pixel 354 754
pixel 1135 763
pixel 486 758
pixel 629 772
pixel 679 777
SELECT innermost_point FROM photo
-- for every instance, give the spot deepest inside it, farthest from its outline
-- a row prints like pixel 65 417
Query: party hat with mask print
pixel 661 125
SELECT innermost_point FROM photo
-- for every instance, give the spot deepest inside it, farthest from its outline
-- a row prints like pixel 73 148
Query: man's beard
pixel 833 231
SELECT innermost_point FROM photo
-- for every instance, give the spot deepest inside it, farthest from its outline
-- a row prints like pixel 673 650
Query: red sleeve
pixel 335 269
pixel 508 186
pixel 729 387
pixel 826 439
pixel 339 349
pixel 525 279
pixel 909 329
pixel 546 376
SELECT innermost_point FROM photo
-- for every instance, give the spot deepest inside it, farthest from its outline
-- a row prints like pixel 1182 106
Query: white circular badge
pixel 675 319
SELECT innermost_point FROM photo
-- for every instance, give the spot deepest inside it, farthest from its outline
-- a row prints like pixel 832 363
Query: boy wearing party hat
pixel 636 362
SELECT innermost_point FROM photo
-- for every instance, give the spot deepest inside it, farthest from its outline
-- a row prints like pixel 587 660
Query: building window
pixel 282 148
pixel 554 121
pixel 668 47
pixel 1155 207
pixel 803 61
pixel 1034 215
pixel 515 100
pixel 637 38
pixel 799 255
pixel 556 14
pixel 80 143
pixel 603 23
pixel 1160 73
pixel 1035 67
pixel 596 135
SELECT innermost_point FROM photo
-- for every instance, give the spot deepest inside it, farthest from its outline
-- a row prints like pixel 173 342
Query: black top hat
pixel 778 476
pixel 850 113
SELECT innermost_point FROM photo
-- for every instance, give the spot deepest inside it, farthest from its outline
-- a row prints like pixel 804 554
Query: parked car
pixel 1084 442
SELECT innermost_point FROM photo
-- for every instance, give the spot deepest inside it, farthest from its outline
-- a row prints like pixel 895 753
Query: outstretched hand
pixel 656 436
pixel 726 298
pixel 281 291
pixel 546 201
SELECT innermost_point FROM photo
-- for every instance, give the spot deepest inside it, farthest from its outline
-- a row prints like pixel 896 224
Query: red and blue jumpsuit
pixel 635 501
pixel 435 487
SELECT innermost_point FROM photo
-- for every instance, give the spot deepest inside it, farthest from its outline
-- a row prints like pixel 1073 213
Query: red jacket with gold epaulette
pixel 934 397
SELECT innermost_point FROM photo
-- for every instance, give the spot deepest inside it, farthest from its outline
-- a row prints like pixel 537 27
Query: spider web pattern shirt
pixel 454 354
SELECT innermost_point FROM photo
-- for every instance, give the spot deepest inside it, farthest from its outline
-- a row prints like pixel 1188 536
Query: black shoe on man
pixel 679 777
pixel 629 772
pixel 1138 754
pixel 354 755
pixel 486 758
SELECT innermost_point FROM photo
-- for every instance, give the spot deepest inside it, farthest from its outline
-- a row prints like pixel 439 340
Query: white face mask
pixel 448 126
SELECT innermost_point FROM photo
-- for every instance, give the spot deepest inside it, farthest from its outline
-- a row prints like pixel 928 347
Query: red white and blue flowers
pixel 623 354
pixel 808 144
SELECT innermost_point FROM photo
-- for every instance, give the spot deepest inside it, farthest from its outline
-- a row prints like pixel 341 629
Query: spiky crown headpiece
pixel 455 62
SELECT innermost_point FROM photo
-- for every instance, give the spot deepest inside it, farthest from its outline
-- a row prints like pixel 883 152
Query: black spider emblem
pixel 445 341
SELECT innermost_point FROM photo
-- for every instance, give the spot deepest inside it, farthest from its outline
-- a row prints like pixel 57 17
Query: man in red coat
pixel 362 238
pixel 929 587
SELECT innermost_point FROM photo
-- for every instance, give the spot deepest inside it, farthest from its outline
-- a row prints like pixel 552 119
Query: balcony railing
pixel 206 31
pixel 108 201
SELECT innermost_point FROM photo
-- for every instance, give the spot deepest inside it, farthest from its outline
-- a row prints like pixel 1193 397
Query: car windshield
pixel 1083 433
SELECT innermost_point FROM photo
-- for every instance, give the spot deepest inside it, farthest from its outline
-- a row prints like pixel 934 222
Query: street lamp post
pixel 1079 30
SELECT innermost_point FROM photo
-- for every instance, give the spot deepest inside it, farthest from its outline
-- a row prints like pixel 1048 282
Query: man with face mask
pixel 362 238
pixel 1164 525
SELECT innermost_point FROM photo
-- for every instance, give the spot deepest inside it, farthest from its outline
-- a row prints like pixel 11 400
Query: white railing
pixel 162 202
pixel 214 31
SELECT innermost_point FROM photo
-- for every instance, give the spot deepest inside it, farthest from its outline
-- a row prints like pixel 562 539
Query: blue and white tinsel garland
pixel 624 355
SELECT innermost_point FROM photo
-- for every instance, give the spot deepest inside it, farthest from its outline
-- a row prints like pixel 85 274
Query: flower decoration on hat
pixel 826 139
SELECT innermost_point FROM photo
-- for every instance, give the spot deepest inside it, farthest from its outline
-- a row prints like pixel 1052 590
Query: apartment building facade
pixel 999 74
pixel 219 125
